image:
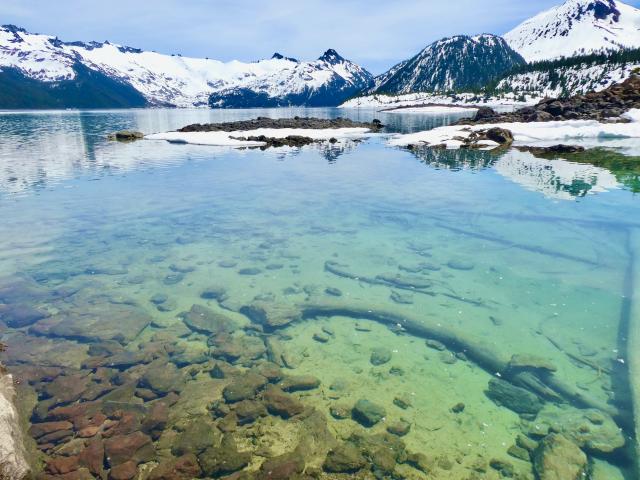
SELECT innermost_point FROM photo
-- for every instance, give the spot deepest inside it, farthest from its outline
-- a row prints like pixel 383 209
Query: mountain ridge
pixel 173 80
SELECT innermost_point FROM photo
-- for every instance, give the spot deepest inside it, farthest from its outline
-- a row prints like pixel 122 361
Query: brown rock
pixel 282 467
pixel 124 471
pixel 122 448
pixel 281 403
pixel 62 465
pixel 92 457
pixel 38 430
pixel 183 468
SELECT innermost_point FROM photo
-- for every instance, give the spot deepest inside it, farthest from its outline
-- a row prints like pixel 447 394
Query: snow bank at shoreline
pixel 586 133
pixel 433 109
pixel 417 99
pixel 230 139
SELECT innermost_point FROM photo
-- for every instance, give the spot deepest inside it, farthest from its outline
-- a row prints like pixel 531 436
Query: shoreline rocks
pixel 604 106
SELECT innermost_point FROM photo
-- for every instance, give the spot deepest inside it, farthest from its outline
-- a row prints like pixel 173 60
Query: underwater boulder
pixel 592 430
pixel 224 459
pixel 367 413
pixel 557 458
pixel 201 319
pixel 198 435
pixel 280 403
pixel 299 383
pixel 184 468
pixel 380 356
pixel 244 387
pixel 282 467
pixel 345 458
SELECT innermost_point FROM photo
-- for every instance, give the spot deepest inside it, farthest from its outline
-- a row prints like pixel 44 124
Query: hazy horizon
pixel 373 33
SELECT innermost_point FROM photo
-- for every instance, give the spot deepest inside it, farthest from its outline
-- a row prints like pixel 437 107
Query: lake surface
pixel 137 277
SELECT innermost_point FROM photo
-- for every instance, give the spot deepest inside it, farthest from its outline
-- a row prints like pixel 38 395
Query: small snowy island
pixel 265 132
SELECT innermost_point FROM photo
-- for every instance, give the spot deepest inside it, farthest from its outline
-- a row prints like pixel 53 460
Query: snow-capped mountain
pixel 44 64
pixel 577 27
pixel 455 63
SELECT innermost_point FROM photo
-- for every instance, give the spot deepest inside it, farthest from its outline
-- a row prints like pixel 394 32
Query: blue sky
pixel 373 33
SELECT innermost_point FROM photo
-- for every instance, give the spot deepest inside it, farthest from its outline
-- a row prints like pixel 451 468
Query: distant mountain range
pixel 41 71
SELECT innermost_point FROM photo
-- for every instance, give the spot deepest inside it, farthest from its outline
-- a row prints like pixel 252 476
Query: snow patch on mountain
pixel 577 27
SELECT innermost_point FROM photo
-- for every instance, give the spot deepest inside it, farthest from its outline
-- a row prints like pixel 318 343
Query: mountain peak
pixel 577 27
pixel 331 56
pixel 13 28
pixel 279 56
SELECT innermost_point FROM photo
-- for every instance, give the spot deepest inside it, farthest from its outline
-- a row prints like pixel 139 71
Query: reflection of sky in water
pixel 42 148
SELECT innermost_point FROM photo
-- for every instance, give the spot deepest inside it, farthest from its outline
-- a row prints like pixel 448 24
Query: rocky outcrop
pixel 295 122
pixel 607 105
pixel 13 456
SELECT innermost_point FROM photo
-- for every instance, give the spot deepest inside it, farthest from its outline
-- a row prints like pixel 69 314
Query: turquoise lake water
pixel 362 248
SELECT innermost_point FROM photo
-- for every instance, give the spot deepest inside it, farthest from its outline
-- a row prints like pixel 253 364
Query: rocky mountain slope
pixel 577 27
pixel 43 71
pixel 573 76
pixel 455 63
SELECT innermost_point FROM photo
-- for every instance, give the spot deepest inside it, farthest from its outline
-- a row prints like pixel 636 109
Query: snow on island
pixel 245 138
pixel 270 132
pixel 585 133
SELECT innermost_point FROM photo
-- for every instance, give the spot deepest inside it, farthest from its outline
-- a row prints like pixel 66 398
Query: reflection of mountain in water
pixel 456 160
pixel 43 148
pixel 555 178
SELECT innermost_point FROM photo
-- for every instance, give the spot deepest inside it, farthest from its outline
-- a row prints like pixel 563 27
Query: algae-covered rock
pixel 344 458
pixel 282 467
pixel 557 458
pixel 223 459
pixel 380 356
pixel 590 429
pixel 271 315
pixel 280 403
pixel 399 428
pixel 299 383
pixel 514 398
pixel 205 320
pixel 244 387
pixel 368 413
pixel 199 435
pixel 184 468
pixel 248 411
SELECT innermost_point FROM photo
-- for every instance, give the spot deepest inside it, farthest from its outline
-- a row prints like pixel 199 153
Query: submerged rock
pixel 244 387
pixel 224 459
pixel 199 435
pixel 185 467
pixel 368 413
pixel 590 429
pixel 514 398
pixel 299 383
pixel 557 458
pixel 345 458
pixel 280 403
pixel 19 316
pixel 205 320
pixel 282 467
pixel 96 321
pixel 380 356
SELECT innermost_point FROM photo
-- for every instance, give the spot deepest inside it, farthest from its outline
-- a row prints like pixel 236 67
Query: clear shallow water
pixel 504 253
